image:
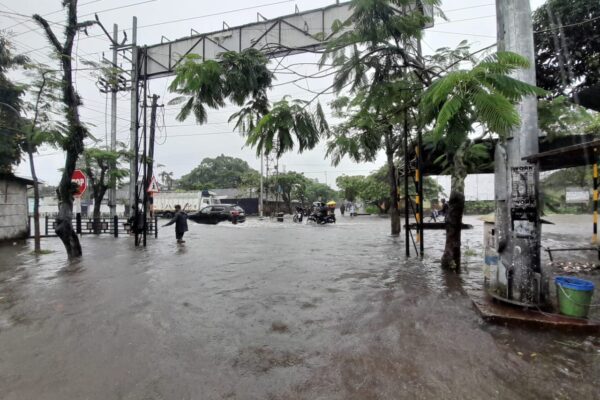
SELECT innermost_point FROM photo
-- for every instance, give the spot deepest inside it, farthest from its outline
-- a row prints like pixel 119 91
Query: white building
pixel 14 214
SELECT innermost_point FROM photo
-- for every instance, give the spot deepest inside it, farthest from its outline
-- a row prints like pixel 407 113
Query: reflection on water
pixel 272 311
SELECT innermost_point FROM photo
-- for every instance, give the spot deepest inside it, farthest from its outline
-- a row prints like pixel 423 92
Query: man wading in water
pixel 180 221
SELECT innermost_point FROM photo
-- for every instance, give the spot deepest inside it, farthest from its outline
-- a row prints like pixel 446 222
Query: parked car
pixel 219 212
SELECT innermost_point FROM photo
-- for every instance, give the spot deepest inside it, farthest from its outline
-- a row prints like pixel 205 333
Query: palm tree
pixel 374 118
pixel 289 123
pixel 166 178
pixel 378 62
pixel 457 103
pixel 236 77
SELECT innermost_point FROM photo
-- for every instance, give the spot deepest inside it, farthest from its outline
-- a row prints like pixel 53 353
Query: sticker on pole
pixel 153 187
pixel 80 180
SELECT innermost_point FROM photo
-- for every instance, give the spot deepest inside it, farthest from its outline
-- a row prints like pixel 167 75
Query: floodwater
pixel 265 310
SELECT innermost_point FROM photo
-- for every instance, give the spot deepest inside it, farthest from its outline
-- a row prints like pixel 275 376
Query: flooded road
pixel 272 311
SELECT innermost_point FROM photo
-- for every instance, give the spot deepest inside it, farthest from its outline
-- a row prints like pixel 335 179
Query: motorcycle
pixel 322 217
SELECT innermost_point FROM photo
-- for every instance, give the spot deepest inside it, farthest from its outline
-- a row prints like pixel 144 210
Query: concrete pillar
pixel 518 226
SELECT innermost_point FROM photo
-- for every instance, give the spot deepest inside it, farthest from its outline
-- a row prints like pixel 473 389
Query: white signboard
pixel 577 195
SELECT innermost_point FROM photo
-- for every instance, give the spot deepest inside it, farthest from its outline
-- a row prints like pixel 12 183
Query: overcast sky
pixel 181 146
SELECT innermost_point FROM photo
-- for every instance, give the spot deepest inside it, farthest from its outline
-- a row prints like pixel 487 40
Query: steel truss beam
pixel 290 34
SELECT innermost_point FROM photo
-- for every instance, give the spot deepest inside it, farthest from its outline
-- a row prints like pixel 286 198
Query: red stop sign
pixel 80 180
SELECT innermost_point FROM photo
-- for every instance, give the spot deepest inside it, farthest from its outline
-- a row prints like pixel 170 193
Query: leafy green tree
pixel 350 186
pixel 375 190
pixel 235 77
pixel 378 63
pixel 11 102
pixel 593 128
pixel 41 129
pixel 219 173
pixel 559 117
pixel 317 191
pixel 166 178
pixel 291 185
pixel 105 171
pixel 76 132
pixel 287 125
pixel 567 46
pixel 485 95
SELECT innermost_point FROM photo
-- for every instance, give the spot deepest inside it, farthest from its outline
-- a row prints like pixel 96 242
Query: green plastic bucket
pixel 574 296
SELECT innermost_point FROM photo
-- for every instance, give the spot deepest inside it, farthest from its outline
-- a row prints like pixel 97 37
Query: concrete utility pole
pixel 150 161
pixel 518 278
pixel 112 193
pixel 134 114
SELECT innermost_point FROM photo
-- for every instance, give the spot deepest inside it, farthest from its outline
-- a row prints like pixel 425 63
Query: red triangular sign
pixel 153 187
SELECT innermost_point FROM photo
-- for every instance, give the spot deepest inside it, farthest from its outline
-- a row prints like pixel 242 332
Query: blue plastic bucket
pixel 574 296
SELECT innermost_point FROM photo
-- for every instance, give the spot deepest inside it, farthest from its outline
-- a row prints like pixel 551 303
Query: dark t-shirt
pixel 180 221
pixel 444 209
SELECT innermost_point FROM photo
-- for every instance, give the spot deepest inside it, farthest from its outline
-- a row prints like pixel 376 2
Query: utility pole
pixel 112 193
pixel 260 196
pixel 134 115
pixel 150 161
pixel 518 278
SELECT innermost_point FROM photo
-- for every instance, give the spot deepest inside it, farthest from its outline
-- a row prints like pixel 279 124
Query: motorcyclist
pixel 299 214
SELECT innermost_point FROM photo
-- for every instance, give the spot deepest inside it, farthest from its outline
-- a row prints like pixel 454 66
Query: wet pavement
pixel 265 310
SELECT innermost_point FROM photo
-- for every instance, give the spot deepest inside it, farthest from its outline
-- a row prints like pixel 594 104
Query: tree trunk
pixel 456 206
pixel 36 188
pixel 36 201
pixel 395 214
pixel 96 213
pixel 77 132
pixel 64 229
pixel 99 189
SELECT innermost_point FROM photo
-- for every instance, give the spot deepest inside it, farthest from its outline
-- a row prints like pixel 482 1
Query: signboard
pixel 523 187
pixel 80 180
pixel 575 195
pixel 153 187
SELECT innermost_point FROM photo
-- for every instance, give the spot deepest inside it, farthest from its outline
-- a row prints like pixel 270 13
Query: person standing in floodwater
pixel 180 221
pixel 352 210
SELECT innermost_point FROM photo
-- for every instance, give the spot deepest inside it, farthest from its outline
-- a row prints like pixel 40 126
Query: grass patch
pixel 470 253
pixel 42 252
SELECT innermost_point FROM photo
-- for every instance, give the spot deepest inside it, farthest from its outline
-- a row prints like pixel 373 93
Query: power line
pixel 57 11
pixel 92 13
pixel 468 8
pixel 462 34
pixel 569 25
pixel 466 19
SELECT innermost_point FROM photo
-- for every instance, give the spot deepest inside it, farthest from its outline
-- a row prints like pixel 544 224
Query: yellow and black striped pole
pixel 417 197
pixel 595 199
pixel 420 197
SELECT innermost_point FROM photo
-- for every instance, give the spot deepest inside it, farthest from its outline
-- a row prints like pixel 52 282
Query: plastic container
pixel 574 296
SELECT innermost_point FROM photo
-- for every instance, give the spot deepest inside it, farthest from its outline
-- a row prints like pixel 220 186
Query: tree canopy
pixel 219 173
pixel 567 45
pixel 294 186
pixel 235 77
pixel 11 102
